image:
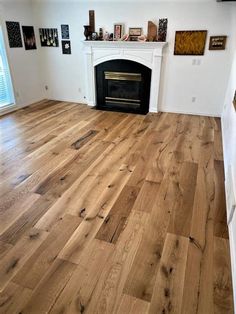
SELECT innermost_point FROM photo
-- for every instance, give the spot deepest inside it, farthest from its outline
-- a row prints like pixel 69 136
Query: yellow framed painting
pixel 190 43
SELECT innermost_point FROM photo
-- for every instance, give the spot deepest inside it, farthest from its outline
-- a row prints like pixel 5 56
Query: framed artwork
pixel 66 47
pixel 162 29
pixel 118 31
pixel 14 34
pixel 29 37
pixel 65 31
pixel 190 43
pixel 234 100
pixel 217 42
pixel 49 37
pixel 134 33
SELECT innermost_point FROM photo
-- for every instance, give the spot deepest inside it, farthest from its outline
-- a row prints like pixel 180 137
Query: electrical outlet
pixel 198 62
pixel 46 87
pixel 194 99
pixel 194 62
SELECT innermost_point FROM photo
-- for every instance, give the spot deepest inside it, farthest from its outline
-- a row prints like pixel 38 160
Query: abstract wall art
pixel 49 37
pixel 65 31
pixel 162 30
pixel 66 47
pixel 29 37
pixel 14 34
pixel 190 43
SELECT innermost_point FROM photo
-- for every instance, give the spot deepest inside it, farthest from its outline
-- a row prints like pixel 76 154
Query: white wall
pixel 229 139
pixel 24 65
pixel 180 79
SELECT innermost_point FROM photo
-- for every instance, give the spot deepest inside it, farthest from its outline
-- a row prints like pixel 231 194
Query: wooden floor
pixel 107 212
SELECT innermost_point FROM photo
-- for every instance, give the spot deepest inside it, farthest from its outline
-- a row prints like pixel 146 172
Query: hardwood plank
pixel 51 285
pixel 108 292
pixel 130 305
pixel 169 284
pixel 8 217
pixel 77 293
pixel 198 291
pixel 140 280
pixel 114 223
pixel 47 252
pixel 13 298
pixel 181 217
pixel 223 300
pixel 220 214
pixel 19 254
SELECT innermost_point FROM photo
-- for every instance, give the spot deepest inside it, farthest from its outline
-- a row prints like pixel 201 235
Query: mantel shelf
pixel 125 44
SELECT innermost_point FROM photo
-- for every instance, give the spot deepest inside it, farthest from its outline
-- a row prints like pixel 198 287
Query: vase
pixel 87 31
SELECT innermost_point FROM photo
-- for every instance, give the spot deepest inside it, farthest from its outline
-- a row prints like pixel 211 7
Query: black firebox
pixel 123 85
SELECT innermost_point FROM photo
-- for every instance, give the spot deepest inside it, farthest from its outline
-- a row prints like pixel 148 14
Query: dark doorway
pixel 123 85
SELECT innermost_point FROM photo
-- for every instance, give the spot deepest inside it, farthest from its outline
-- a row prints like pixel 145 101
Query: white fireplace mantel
pixel 146 53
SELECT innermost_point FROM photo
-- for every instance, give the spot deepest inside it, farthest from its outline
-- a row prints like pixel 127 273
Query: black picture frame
pixel 29 37
pixel 14 34
pixel 65 31
pixel 66 47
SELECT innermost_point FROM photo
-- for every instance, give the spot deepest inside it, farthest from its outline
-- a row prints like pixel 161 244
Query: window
pixel 6 91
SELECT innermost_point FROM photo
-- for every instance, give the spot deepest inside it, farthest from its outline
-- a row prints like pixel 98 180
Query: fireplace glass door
pixel 123 86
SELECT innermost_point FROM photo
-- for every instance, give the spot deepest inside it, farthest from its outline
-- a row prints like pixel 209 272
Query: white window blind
pixel 6 91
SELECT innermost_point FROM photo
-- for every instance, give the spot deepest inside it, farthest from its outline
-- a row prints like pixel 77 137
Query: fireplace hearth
pixel 123 85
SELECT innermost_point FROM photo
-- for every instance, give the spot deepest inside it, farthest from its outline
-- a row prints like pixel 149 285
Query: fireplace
pixel 123 85
pixel 138 90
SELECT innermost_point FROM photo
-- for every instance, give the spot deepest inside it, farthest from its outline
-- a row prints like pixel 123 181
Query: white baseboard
pixel 216 115
pixel 232 241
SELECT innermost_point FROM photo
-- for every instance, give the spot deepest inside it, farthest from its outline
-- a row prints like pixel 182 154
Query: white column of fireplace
pixel 146 53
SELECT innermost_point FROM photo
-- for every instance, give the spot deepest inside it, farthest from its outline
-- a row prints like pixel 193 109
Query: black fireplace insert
pixel 123 85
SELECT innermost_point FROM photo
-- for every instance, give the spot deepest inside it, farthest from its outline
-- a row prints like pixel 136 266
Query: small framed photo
pixel 217 42
pixel 135 31
pixel 118 31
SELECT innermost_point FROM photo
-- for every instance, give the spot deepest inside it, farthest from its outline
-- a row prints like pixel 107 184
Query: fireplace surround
pixel 147 54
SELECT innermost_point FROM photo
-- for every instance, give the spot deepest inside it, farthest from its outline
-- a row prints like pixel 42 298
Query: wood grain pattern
pixel 105 212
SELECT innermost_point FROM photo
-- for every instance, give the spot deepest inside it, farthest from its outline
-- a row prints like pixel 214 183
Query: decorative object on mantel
pixel 94 36
pixel 14 34
pixel 111 36
pixel 189 43
pixel 87 32
pixel 125 37
pixel 100 33
pixel 118 31
pixel 234 100
pixel 29 37
pixel 49 37
pixel 152 32
pixel 106 36
pixel 142 38
pixel 92 21
pixel 162 30
pixel 65 33
pixel 66 47
pixel 217 42
pixel 134 33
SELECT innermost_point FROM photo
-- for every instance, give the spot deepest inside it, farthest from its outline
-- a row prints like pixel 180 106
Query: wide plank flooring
pixel 105 212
